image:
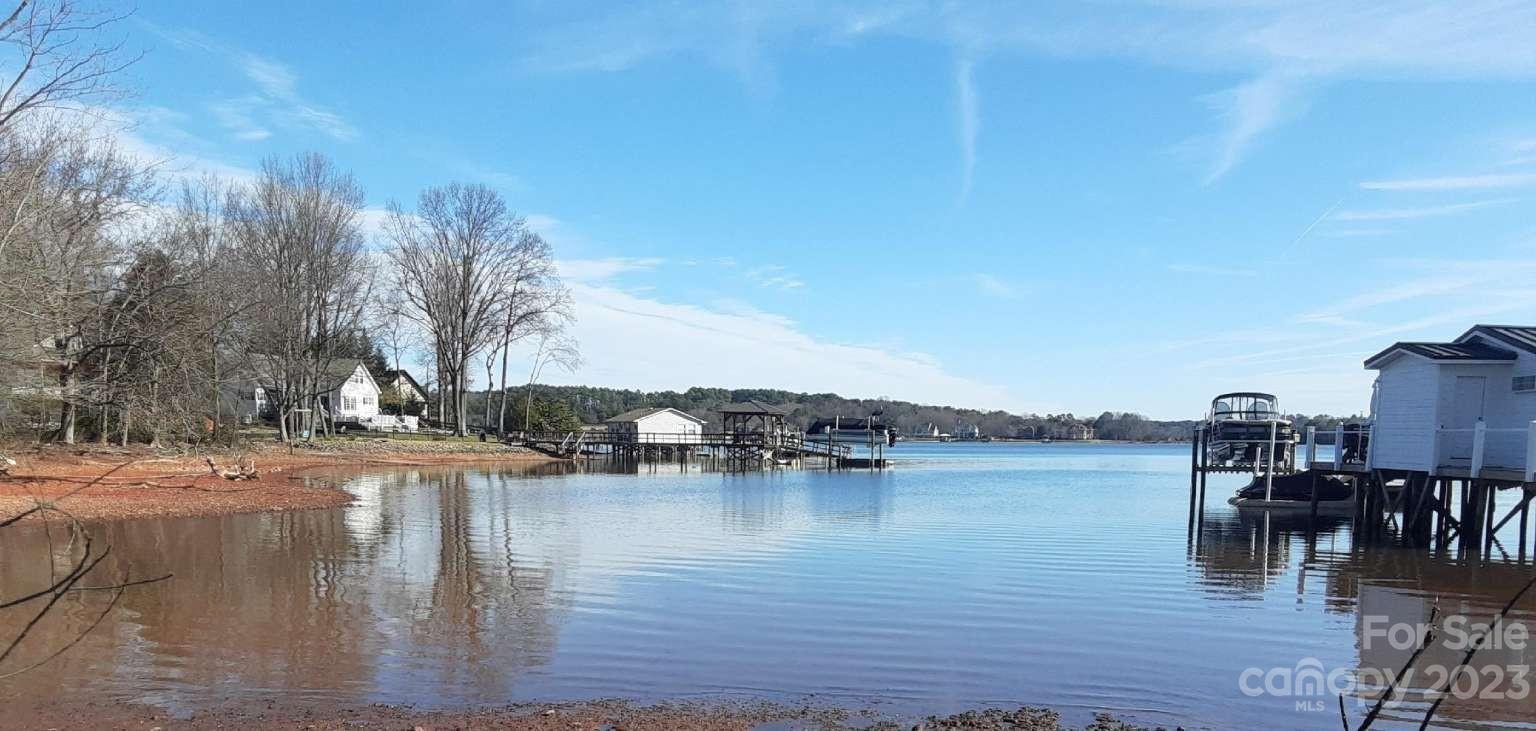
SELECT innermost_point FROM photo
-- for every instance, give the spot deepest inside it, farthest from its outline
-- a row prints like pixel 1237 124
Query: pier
pixel 753 436
pixel 1454 503
pixel 743 447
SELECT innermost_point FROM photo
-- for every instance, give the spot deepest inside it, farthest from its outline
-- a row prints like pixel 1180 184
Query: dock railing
pixel 1512 450
pixel 1351 446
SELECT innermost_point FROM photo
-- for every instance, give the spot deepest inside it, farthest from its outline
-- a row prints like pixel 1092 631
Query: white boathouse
pixel 1462 408
pixel 656 426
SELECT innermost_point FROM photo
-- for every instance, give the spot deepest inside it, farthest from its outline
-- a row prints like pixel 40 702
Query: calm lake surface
pixel 968 575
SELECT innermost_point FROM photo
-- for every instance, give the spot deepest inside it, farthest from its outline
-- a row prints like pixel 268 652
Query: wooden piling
pixel 1312 504
pixel 1490 515
pixel 1194 472
pixel 1525 511
pixel 1205 469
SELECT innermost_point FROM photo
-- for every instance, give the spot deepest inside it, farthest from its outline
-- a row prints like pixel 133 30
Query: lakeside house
pixel 1438 405
pixel 411 396
pixel 659 425
pixel 350 399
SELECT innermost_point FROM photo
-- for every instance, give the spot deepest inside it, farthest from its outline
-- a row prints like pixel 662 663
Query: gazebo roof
pixel 753 408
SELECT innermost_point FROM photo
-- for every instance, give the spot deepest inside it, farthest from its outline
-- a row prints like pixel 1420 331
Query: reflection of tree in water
pixel 488 618
pixel 476 611
pixel 425 586
pixel 257 601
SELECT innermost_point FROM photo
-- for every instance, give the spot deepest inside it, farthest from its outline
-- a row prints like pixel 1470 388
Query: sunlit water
pixel 967 575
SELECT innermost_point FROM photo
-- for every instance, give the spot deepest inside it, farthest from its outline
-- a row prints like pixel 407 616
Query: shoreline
pixel 93 483
pixel 595 714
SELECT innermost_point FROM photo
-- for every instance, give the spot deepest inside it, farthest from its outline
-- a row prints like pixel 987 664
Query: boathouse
pixel 1463 407
pixel 754 417
pixel 659 425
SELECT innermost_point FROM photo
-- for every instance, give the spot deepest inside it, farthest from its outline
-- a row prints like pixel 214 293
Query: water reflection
pixel 752 503
pixel 421 584
pixel 861 498
pixel 1383 590
pixel 1034 574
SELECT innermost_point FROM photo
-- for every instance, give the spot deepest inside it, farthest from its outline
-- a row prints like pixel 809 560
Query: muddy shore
pixel 587 716
pixel 95 483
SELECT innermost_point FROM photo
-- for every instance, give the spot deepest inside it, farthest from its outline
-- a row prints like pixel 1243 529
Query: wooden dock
pixel 1448 505
pixel 737 449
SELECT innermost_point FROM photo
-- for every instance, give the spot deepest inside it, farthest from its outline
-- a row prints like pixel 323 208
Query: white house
pixel 351 398
pixel 413 397
pixel 1431 397
pixel 664 426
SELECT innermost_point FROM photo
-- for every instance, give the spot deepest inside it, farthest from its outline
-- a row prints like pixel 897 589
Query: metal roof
pixel 753 407
pixel 638 414
pixel 1516 336
pixel 1446 352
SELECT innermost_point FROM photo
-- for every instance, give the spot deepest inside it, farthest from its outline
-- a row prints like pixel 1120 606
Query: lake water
pixel 967 575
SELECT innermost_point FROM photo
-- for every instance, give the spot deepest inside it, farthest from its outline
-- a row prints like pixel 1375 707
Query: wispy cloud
pixel 236 115
pixel 965 102
pixel 1357 233
pixel 542 223
pixel 275 97
pixel 619 331
pixel 1213 271
pixel 1457 182
pixel 597 270
pixel 993 287
pixel 156 137
pixel 1521 152
pixel 1284 48
pixel 1399 214
pixel 1248 111
pixel 774 276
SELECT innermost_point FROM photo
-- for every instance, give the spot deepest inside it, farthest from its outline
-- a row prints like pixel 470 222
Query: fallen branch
pixel 245 469
pixel 198 488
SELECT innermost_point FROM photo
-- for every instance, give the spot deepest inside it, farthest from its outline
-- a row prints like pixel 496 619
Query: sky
pixel 1124 205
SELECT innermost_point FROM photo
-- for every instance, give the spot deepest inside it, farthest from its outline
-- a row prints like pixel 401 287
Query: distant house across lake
pixel 661 425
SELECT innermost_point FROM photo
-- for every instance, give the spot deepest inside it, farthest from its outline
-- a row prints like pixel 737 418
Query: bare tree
pixel 452 258
pixel 300 246
pixel 61 195
pixel 536 302
pixel 54 58
pixel 555 349
pixel 490 379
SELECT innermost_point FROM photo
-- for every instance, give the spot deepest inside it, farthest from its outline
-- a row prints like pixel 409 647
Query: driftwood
pixel 245 469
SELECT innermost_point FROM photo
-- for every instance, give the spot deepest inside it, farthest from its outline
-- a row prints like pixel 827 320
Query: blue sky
pixel 1083 206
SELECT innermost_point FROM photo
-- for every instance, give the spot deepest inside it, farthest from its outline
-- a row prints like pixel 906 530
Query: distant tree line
pixel 594 405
